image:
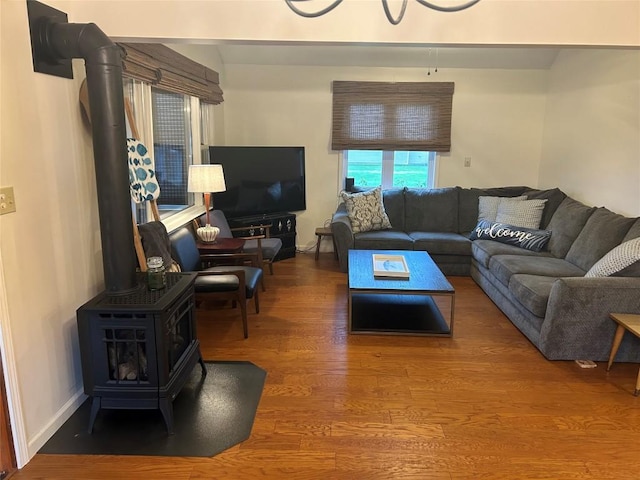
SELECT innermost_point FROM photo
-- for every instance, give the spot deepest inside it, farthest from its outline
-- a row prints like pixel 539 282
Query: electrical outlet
pixel 7 200
pixel 467 161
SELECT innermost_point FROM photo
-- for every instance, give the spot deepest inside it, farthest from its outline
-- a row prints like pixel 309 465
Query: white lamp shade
pixel 206 179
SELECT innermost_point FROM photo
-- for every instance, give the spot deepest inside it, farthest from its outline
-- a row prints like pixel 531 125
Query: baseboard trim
pixel 39 439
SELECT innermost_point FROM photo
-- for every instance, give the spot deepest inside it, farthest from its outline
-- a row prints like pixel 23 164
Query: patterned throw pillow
pixel 488 206
pixel 526 214
pixel 366 210
pixel 620 258
pixel 527 238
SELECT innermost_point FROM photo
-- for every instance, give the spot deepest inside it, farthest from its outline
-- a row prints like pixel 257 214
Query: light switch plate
pixel 7 200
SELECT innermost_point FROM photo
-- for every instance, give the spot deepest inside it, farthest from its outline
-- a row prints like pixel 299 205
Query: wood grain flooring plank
pixel 483 404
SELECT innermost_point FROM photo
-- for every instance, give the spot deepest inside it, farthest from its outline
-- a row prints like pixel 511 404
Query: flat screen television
pixel 260 180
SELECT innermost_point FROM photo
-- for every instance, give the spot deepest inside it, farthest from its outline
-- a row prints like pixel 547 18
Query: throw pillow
pixel 366 210
pixel 527 238
pixel 488 206
pixel 620 258
pixel 526 214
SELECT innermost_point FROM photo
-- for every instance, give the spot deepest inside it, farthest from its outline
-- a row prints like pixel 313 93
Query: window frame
pixel 141 100
pixel 387 173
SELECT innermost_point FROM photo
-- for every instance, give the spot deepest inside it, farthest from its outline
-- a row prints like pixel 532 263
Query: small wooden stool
pixel 630 323
pixel 324 232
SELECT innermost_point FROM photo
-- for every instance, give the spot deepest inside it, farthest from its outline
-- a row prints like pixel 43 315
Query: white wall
pixel 497 121
pixel 51 248
pixel 490 22
pixel 591 146
pixel 51 252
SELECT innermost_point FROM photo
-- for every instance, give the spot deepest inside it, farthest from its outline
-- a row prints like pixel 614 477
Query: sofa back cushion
pixel 603 231
pixel 565 225
pixel 634 231
pixel 554 198
pixel 394 206
pixel 468 208
pixel 431 210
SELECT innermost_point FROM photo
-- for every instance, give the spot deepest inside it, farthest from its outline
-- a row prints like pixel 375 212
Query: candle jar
pixel 155 273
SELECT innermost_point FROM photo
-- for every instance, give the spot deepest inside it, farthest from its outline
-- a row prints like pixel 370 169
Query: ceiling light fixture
pixel 385 5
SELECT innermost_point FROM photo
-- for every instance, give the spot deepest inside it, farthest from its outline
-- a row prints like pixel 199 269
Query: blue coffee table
pixel 418 305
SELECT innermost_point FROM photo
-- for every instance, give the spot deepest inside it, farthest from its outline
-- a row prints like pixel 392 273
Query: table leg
pixel 637 392
pixel 616 344
pixel 318 246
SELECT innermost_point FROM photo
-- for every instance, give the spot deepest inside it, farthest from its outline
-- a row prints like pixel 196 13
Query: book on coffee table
pixel 394 266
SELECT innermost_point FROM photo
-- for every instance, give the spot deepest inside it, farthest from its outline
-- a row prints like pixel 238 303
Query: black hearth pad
pixel 209 417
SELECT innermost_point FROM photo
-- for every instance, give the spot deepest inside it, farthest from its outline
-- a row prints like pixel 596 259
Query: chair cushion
pixel 216 283
pixel 270 247
pixel 184 250
pixel 217 219
pixel 252 275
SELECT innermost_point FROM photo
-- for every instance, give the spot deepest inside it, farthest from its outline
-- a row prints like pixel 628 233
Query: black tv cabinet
pixel 283 226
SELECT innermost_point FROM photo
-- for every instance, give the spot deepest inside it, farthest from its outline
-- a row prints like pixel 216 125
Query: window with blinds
pixel 172 147
pixel 414 116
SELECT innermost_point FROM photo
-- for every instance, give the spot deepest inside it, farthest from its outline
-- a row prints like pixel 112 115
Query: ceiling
pixel 387 56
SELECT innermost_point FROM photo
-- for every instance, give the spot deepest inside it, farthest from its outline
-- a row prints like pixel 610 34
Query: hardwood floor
pixel 483 404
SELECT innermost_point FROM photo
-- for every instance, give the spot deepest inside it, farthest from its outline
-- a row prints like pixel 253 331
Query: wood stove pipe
pixel 103 62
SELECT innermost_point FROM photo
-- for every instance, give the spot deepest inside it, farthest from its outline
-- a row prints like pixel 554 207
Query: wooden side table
pixel 324 232
pixel 221 245
pixel 626 322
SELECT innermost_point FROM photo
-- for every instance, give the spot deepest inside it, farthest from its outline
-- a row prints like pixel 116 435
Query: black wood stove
pixel 139 349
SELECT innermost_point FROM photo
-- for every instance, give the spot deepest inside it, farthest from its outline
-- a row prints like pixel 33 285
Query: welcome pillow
pixel 366 210
pixel 530 239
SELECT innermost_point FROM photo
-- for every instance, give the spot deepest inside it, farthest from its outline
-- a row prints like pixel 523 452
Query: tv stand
pixel 283 226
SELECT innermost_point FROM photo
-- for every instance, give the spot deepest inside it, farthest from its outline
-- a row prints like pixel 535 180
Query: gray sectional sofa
pixel 545 294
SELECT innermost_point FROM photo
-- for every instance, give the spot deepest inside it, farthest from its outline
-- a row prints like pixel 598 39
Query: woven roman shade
pixel 167 69
pixel 392 116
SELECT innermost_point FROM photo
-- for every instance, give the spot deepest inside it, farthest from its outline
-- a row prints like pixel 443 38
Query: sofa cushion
pixel 483 250
pixel 393 200
pixel 634 231
pixel 554 198
pixel 488 206
pixel 382 240
pixel 603 231
pixel 566 224
pixel 532 291
pixel 510 191
pixel 504 266
pixel 366 210
pixel 431 210
pixel 444 243
pixel 468 208
pixel 526 214
pixel 527 238
pixel 623 258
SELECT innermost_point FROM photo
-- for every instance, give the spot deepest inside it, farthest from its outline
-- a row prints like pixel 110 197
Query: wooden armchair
pixel 236 282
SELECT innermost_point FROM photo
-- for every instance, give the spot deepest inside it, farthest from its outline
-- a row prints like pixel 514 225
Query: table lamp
pixel 206 179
